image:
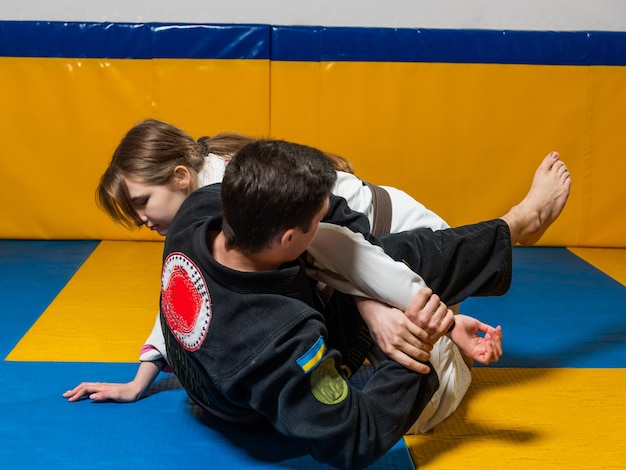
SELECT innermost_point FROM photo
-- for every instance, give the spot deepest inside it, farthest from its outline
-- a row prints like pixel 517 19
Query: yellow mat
pixel 109 306
pixel 532 419
pixel 104 313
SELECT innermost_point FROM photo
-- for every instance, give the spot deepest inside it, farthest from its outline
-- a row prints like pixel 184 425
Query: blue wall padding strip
pixel 78 40
pixel 297 43
pixel 308 43
pixel 211 41
pixel 31 275
pixel 40 429
pixel 452 46
pixel 133 40
pixel 559 312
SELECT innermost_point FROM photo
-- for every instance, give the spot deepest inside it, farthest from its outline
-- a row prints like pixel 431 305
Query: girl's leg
pixel 473 260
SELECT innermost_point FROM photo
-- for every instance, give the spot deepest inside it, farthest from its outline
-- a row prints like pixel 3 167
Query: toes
pixel 552 157
pixel 549 161
pixel 562 171
pixel 560 168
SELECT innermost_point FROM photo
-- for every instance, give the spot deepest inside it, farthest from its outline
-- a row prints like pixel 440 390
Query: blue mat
pixel 31 275
pixel 559 312
pixel 40 429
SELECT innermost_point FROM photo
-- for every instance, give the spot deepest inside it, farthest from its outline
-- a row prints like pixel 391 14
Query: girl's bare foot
pixel 548 194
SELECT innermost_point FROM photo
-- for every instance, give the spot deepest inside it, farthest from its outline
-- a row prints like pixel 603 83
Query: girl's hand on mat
pixel 476 340
pixel 128 392
pixel 100 391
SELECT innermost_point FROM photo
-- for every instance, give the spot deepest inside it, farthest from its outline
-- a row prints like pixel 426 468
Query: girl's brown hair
pixel 150 152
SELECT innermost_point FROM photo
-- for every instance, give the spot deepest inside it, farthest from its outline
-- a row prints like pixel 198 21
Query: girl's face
pixel 156 205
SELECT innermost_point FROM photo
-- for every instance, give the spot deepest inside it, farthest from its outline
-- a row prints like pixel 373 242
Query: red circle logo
pixel 185 301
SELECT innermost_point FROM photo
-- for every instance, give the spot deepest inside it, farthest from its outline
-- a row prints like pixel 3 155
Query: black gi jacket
pixel 249 345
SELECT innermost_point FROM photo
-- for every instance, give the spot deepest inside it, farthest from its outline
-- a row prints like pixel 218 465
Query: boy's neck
pixel 264 260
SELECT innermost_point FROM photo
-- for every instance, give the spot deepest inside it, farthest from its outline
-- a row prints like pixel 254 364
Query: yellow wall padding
pixel 464 139
pixel 62 119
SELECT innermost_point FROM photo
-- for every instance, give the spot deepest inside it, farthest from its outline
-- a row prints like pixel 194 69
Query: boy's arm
pixel 301 388
pixel 348 263
pixel 396 336
pixel 407 341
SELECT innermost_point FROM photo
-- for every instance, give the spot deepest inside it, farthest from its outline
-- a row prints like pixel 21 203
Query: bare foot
pixel 530 219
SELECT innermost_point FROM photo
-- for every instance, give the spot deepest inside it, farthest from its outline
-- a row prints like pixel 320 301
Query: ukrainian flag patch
pixel 309 360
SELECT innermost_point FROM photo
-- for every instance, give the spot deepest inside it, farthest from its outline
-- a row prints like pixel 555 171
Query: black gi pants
pixel 456 263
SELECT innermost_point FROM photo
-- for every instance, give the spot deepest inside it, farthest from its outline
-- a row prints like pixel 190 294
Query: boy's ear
pixel 182 177
pixel 286 237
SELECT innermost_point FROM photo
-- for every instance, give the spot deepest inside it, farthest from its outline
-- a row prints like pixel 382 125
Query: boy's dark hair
pixel 270 186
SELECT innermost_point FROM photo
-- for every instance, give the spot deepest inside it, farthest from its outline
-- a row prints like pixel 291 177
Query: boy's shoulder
pixel 202 205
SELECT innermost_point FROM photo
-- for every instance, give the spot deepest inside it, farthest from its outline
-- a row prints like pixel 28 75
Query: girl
pixel 157 165
pixel 152 151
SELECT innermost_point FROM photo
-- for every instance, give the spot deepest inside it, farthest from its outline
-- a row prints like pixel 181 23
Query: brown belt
pixel 381 203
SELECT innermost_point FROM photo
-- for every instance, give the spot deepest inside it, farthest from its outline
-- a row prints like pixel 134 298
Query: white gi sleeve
pixel 347 262
pixel 154 347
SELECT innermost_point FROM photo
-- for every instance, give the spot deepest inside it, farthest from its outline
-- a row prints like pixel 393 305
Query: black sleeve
pixel 342 426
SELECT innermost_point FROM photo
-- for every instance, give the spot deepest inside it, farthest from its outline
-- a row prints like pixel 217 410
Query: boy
pixel 250 339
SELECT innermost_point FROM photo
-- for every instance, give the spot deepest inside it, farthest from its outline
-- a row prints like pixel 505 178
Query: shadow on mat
pixel 262 443
pixel 462 431
pixel 259 440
